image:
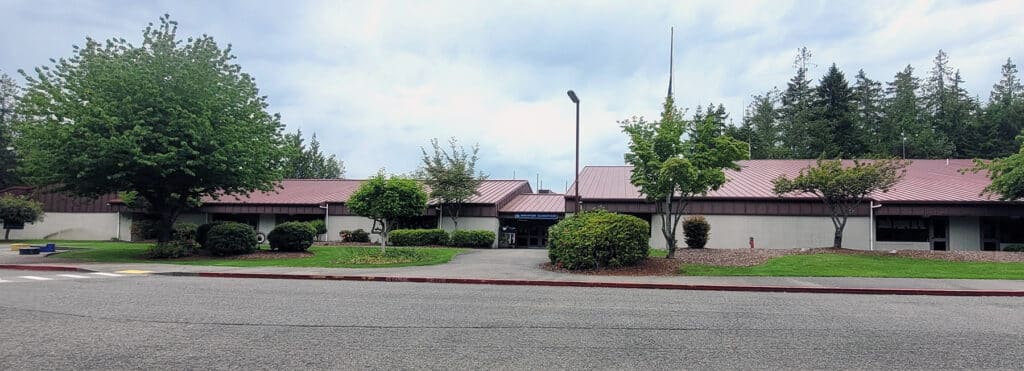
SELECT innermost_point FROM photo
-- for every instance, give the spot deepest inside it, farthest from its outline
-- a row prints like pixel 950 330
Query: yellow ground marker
pixel 134 271
pixel 16 246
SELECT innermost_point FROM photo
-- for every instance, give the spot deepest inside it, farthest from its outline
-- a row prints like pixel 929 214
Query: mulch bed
pixel 748 257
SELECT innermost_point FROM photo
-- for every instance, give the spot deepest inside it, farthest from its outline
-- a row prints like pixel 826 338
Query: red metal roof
pixel 536 203
pixel 318 191
pixel 925 181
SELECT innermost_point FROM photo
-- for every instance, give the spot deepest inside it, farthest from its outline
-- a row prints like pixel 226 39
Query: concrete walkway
pixel 524 264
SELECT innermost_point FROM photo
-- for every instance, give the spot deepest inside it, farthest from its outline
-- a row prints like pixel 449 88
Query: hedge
pixel 472 238
pixel 1014 248
pixel 358 235
pixel 203 230
pixel 418 237
pixel 598 239
pixel 230 238
pixel 292 236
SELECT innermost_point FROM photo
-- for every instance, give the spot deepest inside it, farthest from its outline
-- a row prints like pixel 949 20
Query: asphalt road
pixel 157 322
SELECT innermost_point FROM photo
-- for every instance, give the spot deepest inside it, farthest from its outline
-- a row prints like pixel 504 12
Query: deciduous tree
pixel 18 210
pixel 451 176
pixel 669 170
pixel 843 188
pixel 169 120
pixel 9 94
pixel 385 199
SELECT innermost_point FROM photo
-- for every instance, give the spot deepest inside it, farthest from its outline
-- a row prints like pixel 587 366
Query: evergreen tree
pixel 909 135
pixel 717 114
pixel 946 105
pixel 762 119
pixel 795 114
pixel 833 112
pixel 9 95
pixel 302 162
pixel 1003 118
pixel 868 98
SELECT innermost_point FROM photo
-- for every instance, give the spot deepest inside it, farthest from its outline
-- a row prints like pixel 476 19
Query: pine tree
pixel 945 104
pixel 1003 119
pixel 833 112
pixel 795 114
pixel 909 135
pixel 868 98
pixel 762 121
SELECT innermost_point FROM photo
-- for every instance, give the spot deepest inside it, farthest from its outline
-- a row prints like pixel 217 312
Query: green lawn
pixel 657 253
pixel 323 256
pixel 851 265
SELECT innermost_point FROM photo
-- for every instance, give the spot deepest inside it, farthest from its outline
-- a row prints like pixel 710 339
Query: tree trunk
pixel 837 241
pixel 383 235
pixel 165 227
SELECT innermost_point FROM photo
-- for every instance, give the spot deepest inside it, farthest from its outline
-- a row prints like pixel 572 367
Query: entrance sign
pixel 533 216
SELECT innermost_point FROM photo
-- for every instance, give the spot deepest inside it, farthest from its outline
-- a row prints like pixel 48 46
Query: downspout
pixel 327 221
pixel 871 218
pixel 117 231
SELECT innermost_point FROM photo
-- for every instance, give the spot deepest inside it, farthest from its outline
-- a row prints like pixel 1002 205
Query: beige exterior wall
pixel 887 245
pixel 336 224
pixel 771 232
pixel 71 226
pixel 266 223
pixel 473 223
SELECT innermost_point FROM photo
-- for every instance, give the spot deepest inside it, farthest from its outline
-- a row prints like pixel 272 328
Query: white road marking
pixel 107 274
pixel 3 281
pixel 37 278
pixel 72 276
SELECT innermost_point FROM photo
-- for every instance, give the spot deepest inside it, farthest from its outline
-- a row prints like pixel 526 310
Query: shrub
pixel 696 232
pixel 418 237
pixel 1014 248
pixel 230 238
pixel 292 236
pixel 472 238
pixel 357 235
pixel 184 232
pixel 318 226
pixel 597 239
pixel 203 230
pixel 173 249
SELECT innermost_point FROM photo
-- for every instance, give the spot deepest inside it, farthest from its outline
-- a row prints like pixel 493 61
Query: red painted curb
pixel 631 285
pixel 29 267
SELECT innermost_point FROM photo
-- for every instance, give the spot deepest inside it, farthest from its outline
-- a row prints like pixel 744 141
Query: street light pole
pixel 576 100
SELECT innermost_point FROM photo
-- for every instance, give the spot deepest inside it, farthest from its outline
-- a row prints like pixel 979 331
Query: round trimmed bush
pixel 231 238
pixel 598 239
pixel 473 238
pixel 292 236
pixel 696 232
pixel 318 226
pixel 185 231
pixel 1014 248
pixel 203 230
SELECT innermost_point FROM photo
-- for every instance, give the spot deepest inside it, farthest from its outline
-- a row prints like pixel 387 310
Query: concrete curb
pixel 30 267
pixel 631 285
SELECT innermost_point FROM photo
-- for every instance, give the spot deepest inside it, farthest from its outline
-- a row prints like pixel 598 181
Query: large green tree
pixel 18 210
pixel 868 97
pixel 843 189
pixel 669 170
pixel 386 199
pixel 833 111
pixel 451 176
pixel 9 94
pixel 796 113
pixel 302 162
pixel 1003 118
pixel 170 121
pixel 762 120
pixel 910 135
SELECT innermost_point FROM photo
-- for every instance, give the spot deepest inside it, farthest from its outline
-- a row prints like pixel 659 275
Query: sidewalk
pixel 521 266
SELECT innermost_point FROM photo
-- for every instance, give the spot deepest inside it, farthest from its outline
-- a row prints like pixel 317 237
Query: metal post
pixel 579 198
pixel 871 220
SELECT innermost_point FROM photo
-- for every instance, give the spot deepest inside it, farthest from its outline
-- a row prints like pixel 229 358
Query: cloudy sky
pixel 376 80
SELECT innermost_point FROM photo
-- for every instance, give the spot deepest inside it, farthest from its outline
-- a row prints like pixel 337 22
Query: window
pixel 901 228
pixel 1011 230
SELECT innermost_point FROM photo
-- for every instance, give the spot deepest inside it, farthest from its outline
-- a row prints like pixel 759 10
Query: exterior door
pixel 989 234
pixel 939 234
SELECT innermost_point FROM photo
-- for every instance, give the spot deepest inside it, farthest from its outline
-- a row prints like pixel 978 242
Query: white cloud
pixel 376 80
